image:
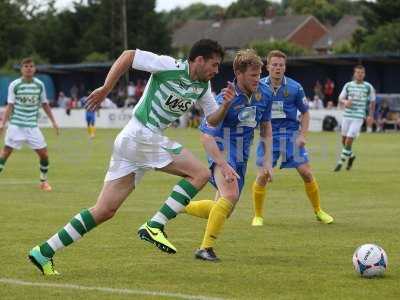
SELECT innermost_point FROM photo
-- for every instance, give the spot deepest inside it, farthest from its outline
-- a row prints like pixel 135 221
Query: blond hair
pixel 275 53
pixel 27 60
pixel 246 58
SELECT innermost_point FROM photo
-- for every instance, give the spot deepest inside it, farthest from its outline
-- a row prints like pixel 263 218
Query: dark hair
pixel 27 60
pixel 361 67
pixel 206 48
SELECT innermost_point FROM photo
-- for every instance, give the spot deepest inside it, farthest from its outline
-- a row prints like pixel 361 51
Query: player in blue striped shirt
pixel 288 134
pixel 228 147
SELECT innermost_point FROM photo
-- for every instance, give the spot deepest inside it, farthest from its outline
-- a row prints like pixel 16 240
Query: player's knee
pixel 102 214
pixel 307 176
pixel 202 176
pixel 261 181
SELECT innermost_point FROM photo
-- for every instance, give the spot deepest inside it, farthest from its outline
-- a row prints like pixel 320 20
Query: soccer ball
pixel 370 260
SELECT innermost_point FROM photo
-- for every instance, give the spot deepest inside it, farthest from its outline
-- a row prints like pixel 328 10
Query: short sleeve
pixel 11 94
pixel 153 63
pixel 301 100
pixel 372 94
pixel 43 95
pixel 207 102
pixel 343 94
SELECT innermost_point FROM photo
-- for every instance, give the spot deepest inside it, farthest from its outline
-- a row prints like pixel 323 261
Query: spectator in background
pixel 383 113
pixel 318 90
pixel 139 89
pixel 316 103
pixel 62 100
pixel 74 92
pixel 329 89
pixel 131 91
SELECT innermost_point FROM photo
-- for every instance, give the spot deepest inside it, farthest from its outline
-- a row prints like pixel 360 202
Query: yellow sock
pixel 259 193
pixel 199 208
pixel 93 130
pixel 89 130
pixel 312 190
pixel 218 214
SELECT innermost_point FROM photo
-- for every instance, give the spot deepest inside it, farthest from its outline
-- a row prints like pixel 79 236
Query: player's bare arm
pixel 266 136
pixel 47 109
pixel 119 67
pixel 304 124
pixel 7 113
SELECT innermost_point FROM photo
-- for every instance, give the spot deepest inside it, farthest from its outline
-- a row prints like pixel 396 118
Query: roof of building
pixel 340 33
pixel 238 32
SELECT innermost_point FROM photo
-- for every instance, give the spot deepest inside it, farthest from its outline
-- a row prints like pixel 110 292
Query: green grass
pixel 291 257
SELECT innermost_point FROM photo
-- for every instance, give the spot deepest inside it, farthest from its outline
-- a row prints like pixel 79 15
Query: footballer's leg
pixel 313 192
pixel 220 211
pixel 259 192
pixel 4 155
pixel 44 168
pixel 195 176
pixel 110 199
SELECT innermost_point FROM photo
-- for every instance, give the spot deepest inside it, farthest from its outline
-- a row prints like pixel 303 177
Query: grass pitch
pixel 291 257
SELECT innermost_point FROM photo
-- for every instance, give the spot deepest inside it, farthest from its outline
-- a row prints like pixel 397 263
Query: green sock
pixel 180 197
pixel 44 168
pixel 2 163
pixel 346 153
pixel 73 231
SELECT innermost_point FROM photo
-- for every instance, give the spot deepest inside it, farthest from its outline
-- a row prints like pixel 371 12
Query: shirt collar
pixel 284 81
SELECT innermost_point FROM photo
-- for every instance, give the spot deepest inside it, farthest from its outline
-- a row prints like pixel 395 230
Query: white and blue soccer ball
pixel 370 260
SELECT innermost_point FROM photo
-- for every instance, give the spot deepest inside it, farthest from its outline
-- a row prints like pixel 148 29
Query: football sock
pixel 2 163
pixel 180 197
pixel 44 168
pixel 218 214
pixel 312 191
pixel 259 193
pixel 93 130
pixel 346 153
pixel 199 208
pixel 73 231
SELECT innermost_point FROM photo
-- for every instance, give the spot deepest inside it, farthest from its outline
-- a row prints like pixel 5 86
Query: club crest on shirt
pixel 257 96
pixel 286 93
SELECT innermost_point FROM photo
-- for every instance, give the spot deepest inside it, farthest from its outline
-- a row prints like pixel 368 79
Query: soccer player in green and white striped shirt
pixel 26 95
pixel 173 87
pixel 355 96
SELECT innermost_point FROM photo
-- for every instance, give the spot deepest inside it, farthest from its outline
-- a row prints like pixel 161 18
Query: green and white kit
pixel 169 94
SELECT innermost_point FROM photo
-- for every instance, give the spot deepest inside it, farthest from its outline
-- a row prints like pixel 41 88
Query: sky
pixel 160 4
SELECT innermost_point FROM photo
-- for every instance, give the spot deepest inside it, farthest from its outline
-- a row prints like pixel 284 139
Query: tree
pixel 248 8
pixel 13 33
pixel 263 47
pixel 385 39
pixel 380 27
pixel 196 11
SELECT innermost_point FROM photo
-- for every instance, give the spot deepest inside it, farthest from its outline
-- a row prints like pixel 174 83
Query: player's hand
pixel 94 100
pixel 301 140
pixel 348 103
pixel 267 172
pixel 229 93
pixel 56 128
pixel 228 172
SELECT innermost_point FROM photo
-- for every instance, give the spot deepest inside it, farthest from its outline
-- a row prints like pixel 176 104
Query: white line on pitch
pixel 11 281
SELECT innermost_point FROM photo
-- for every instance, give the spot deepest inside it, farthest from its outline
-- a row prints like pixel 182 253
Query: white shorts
pixel 16 136
pixel 351 127
pixel 137 149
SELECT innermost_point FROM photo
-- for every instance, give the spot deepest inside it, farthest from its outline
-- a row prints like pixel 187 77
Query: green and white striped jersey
pixel 27 98
pixel 170 92
pixel 360 94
